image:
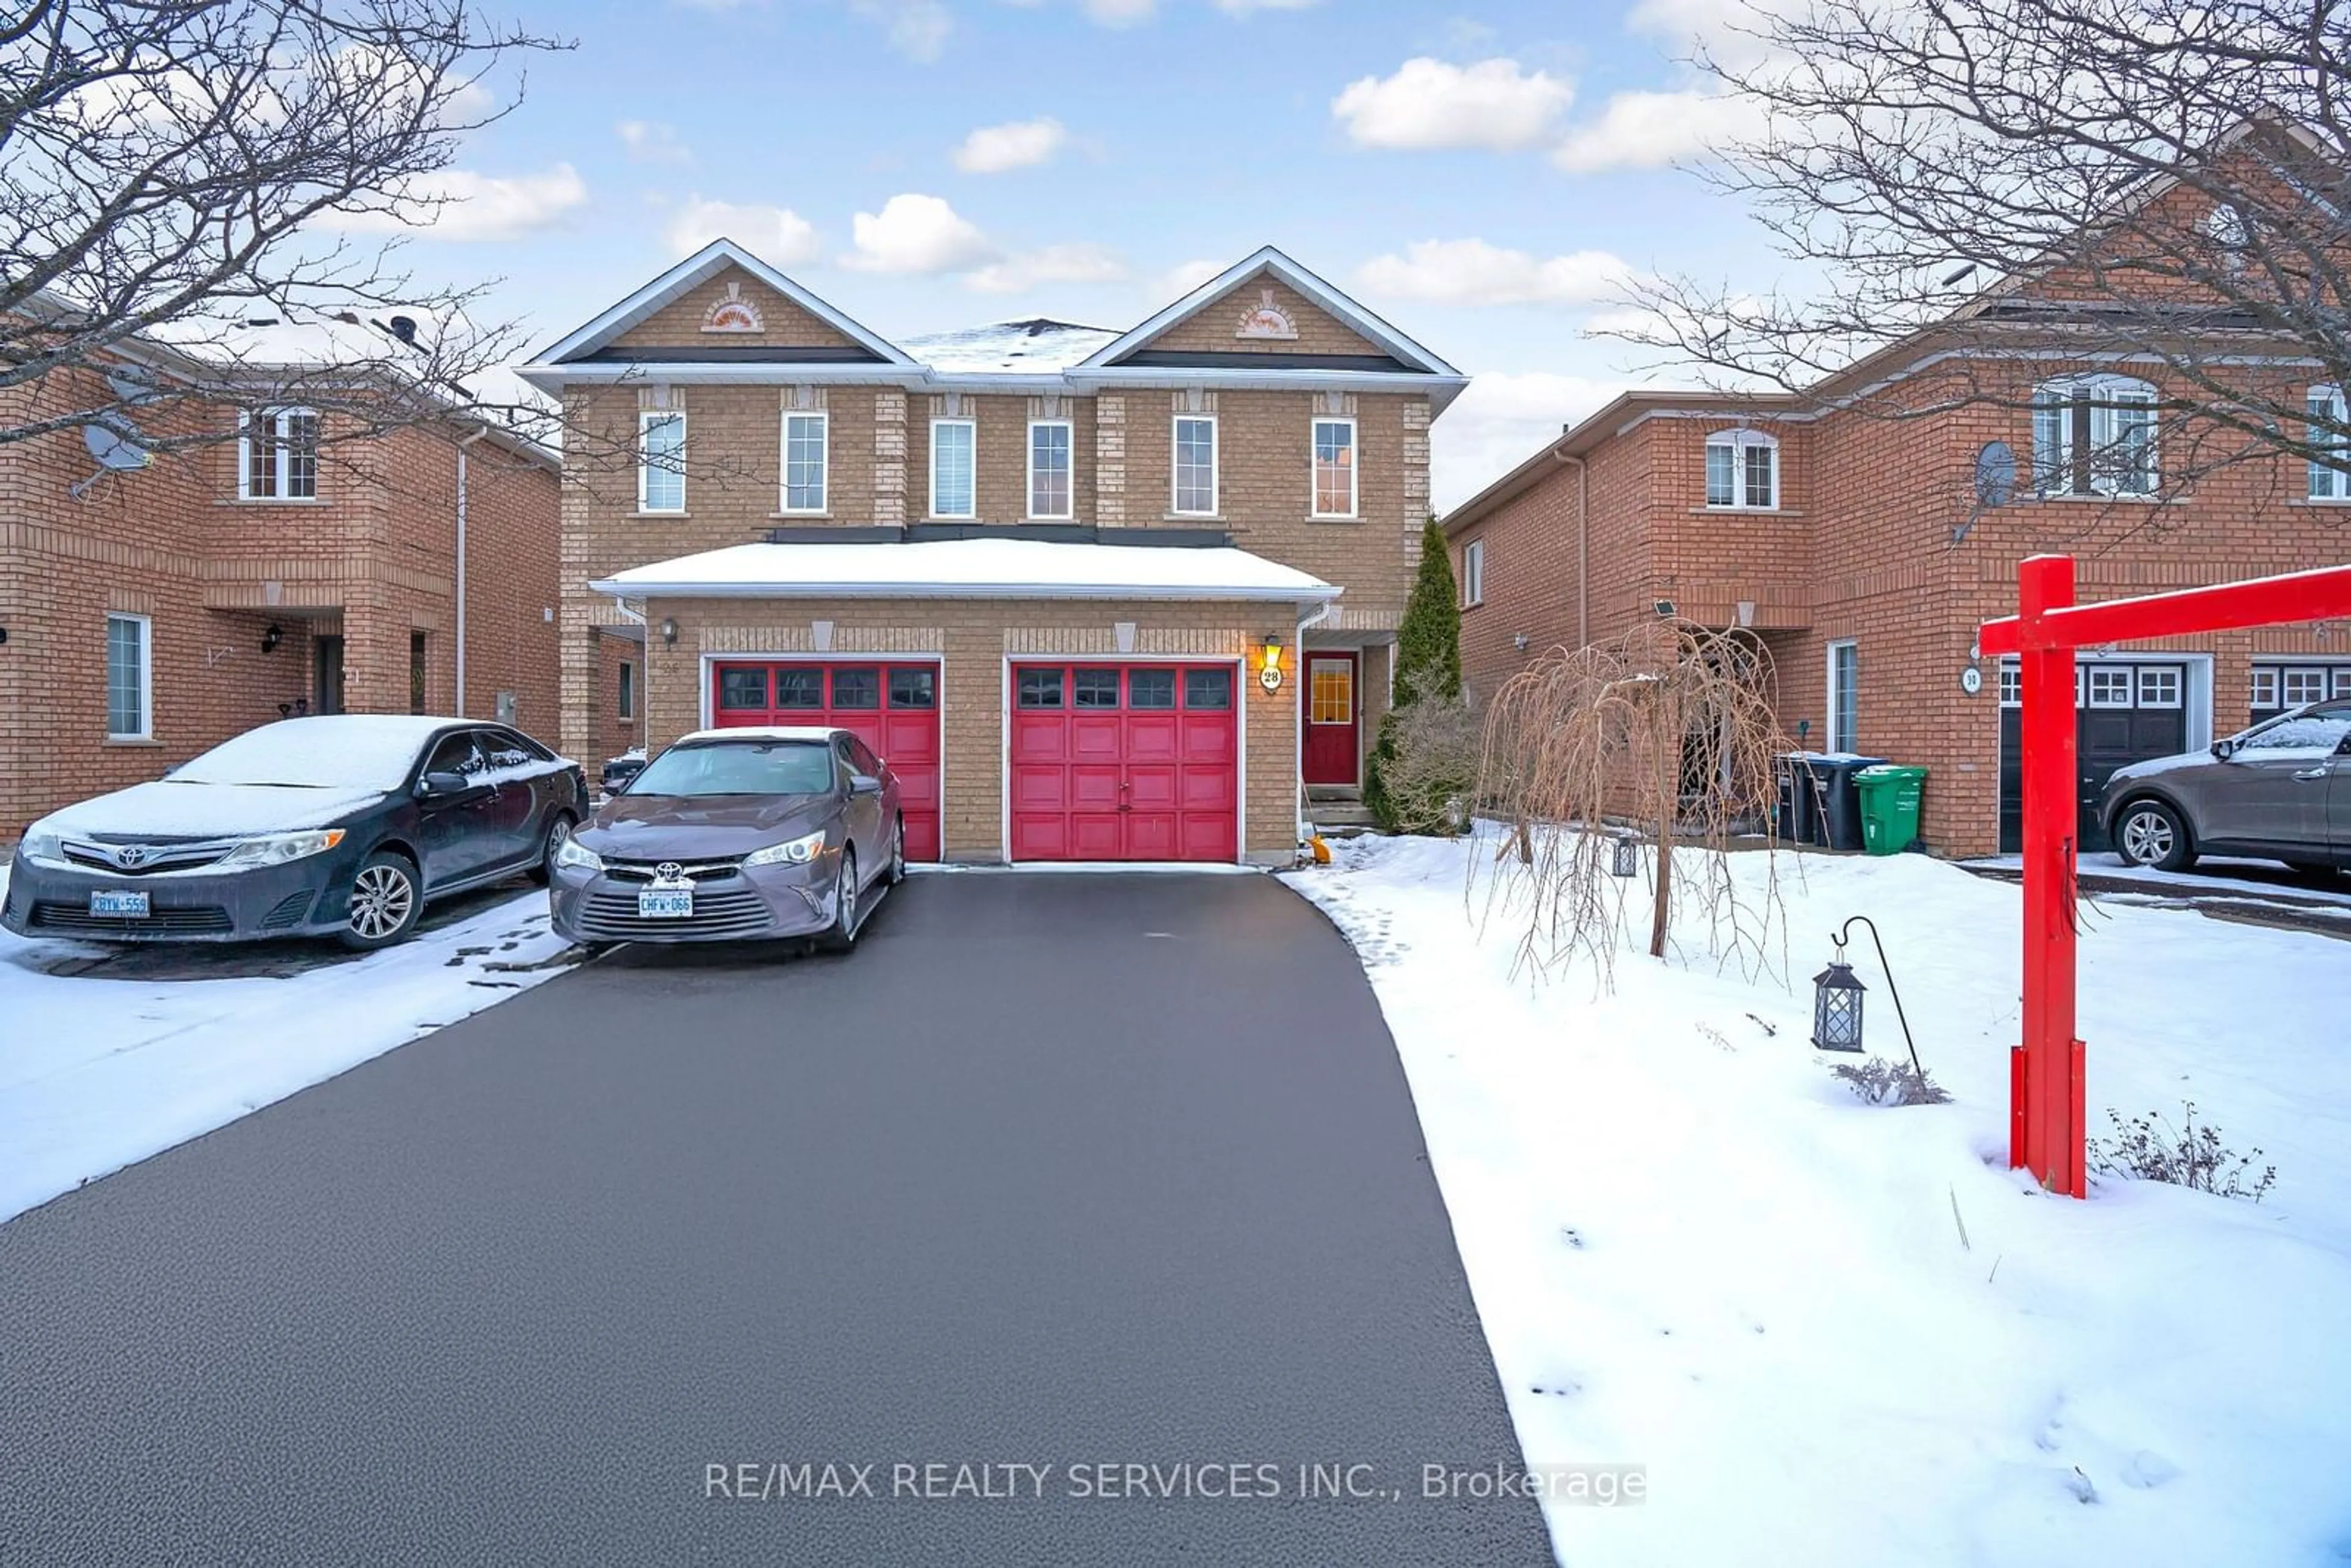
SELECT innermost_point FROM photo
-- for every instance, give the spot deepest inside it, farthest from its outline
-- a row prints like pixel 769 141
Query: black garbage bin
pixel 1798 820
pixel 1840 812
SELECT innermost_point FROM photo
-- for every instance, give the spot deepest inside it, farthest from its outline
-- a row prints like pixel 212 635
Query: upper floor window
pixel 1334 468
pixel 660 461
pixel 2094 435
pixel 1195 465
pixel 128 663
pixel 804 455
pixel 1742 469
pixel 1049 468
pixel 277 455
pixel 1473 573
pixel 2329 432
pixel 954 467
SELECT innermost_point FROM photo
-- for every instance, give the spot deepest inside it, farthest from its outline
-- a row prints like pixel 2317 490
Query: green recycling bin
pixel 1890 807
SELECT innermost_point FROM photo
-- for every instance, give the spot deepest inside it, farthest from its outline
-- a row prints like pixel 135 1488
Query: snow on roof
pixel 970 569
pixel 807 732
pixel 367 751
pixel 1038 345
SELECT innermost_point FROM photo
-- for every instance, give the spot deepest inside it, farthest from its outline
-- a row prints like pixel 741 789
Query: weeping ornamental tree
pixel 1414 773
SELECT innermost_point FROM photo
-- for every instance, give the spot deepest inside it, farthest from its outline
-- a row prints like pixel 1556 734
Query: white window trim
pixel 1354 466
pixel 628 692
pixel 1033 513
pixel 972 425
pixel 1832 742
pixel 1739 441
pixel 146 624
pixel 784 507
pixel 645 468
pixel 2097 386
pixel 1473 573
pixel 1175 466
pixel 279 453
pixel 2337 480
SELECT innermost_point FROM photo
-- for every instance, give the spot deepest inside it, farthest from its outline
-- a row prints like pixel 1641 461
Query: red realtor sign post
pixel 2046 1107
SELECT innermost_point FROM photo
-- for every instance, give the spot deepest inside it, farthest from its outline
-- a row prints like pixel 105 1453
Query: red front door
pixel 1124 762
pixel 1328 708
pixel 892 707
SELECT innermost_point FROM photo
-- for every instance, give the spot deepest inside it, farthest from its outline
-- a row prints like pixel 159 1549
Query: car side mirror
pixel 865 784
pixel 442 783
pixel 2224 749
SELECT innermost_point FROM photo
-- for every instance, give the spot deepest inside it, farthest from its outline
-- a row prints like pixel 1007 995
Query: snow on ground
pixel 1692 1248
pixel 98 1073
pixel 2210 874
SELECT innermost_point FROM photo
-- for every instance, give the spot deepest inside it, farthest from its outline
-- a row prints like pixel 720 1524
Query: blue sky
pixel 1483 176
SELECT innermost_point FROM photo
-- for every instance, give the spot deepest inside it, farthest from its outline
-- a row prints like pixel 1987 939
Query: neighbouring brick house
pixel 1854 545
pixel 153 611
pixel 1041 567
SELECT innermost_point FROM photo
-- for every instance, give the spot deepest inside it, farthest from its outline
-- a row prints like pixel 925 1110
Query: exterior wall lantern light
pixel 669 629
pixel 1837 993
pixel 271 638
pixel 1268 673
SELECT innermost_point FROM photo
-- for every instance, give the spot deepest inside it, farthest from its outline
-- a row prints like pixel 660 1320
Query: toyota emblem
pixel 131 855
pixel 668 871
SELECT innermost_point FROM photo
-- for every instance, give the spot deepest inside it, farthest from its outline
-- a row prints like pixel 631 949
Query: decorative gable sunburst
pixel 1267 319
pixel 731 312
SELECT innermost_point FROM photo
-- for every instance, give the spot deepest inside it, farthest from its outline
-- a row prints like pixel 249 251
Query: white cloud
pixel 1473 272
pixel 1185 276
pixel 917 234
pixel 775 234
pixel 1650 129
pixel 1053 263
pixel 1244 7
pixel 461 204
pixel 1498 423
pixel 917 29
pixel 1021 144
pixel 1429 103
pixel 1120 13
pixel 651 141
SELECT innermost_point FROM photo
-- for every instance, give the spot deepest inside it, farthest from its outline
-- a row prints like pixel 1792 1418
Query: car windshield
pixel 324 753
pixel 738 768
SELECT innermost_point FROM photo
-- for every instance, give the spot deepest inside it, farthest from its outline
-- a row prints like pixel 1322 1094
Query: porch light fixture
pixel 1837 993
pixel 1663 607
pixel 669 629
pixel 1624 856
pixel 271 638
pixel 1268 673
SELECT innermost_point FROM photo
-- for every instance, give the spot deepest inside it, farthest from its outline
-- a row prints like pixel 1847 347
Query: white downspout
pixel 478 433
pixel 1297 759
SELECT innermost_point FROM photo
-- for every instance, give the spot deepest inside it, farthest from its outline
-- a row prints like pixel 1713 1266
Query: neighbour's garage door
pixel 891 707
pixel 1124 762
pixel 2126 713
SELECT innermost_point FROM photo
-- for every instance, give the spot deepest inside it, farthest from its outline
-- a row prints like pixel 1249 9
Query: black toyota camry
pixel 336 826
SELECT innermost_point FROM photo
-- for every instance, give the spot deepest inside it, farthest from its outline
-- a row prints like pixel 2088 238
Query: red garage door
pixel 1124 762
pixel 891 707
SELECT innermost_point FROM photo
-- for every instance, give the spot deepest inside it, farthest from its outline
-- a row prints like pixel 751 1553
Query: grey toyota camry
pixel 732 835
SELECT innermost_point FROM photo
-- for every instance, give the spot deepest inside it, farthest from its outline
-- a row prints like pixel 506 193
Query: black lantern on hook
pixel 1625 857
pixel 1836 1005
pixel 271 638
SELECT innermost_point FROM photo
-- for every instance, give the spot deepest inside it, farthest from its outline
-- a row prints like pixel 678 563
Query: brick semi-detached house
pixel 151 613
pixel 1094 594
pixel 1853 545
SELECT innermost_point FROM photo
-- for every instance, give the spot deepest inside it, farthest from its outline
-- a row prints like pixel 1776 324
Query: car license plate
pixel 128 905
pixel 665 906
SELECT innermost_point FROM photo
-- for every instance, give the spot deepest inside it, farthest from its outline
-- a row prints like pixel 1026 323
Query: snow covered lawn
pixel 98 1073
pixel 1694 1250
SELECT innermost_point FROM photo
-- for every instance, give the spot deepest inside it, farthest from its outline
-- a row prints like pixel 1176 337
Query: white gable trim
pixel 1271 261
pixel 703 264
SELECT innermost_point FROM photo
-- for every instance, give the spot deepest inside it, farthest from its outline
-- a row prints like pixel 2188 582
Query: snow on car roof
pixel 369 751
pixel 816 732
pixel 1038 345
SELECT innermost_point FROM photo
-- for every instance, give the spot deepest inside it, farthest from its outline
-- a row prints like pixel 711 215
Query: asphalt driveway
pixel 1103 1186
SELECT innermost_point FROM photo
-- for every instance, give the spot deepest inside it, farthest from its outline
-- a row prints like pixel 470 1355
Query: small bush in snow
pixel 2149 1148
pixel 1881 1082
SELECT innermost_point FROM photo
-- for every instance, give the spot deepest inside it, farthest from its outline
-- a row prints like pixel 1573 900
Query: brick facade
pixel 1861 548
pixel 371 561
pixel 879 471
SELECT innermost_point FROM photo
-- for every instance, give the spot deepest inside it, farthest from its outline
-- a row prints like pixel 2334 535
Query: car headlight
pixel 577 856
pixel 797 851
pixel 279 848
pixel 42 847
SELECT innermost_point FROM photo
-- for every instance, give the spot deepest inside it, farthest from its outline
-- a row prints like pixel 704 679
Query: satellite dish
pixel 113 449
pixel 1995 474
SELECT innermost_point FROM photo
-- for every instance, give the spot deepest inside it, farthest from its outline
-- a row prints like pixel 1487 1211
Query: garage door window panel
pixel 857 689
pixel 1095 688
pixel 801 690
pixel 743 691
pixel 1040 688
pixel 1151 689
pixel 1207 691
pixel 913 690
